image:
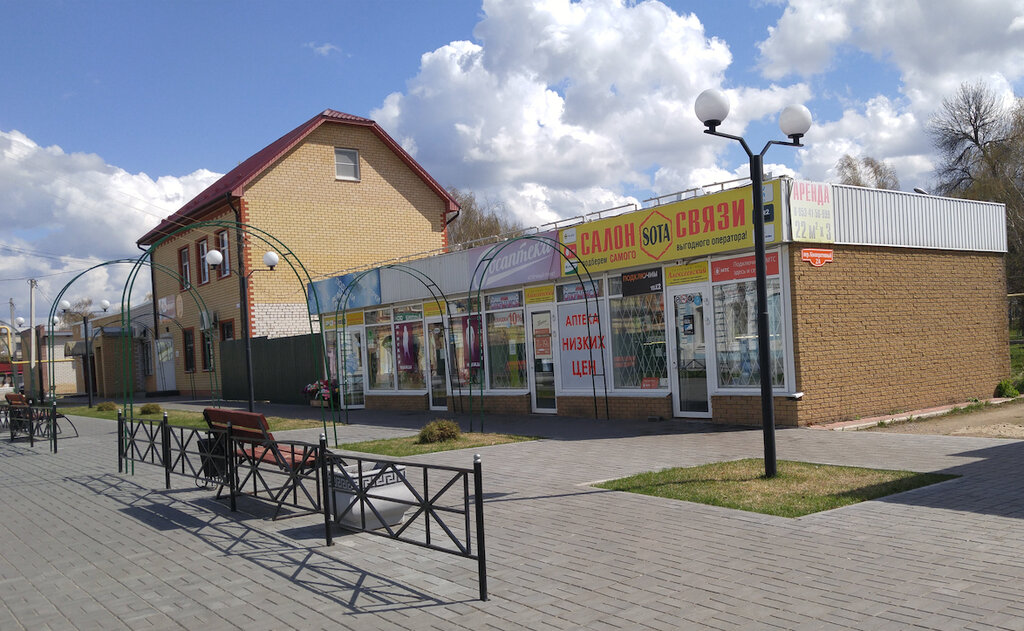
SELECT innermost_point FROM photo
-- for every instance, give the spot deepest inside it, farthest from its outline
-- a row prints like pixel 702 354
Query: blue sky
pixel 116 113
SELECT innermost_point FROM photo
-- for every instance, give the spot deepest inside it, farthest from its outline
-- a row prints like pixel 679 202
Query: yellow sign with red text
pixel 684 229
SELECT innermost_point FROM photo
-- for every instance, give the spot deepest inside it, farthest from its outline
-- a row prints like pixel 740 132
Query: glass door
pixel 689 355
pixel 542 377
pixel 350 357
pixel 438 366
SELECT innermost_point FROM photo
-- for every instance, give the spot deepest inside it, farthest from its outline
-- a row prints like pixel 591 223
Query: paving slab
pixel 87 548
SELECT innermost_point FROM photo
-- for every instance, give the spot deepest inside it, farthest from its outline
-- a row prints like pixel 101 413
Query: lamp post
pixel 65 306
pixel 214 258
pixel 712 107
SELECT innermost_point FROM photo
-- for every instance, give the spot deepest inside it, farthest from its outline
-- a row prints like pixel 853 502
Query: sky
pixel 114 114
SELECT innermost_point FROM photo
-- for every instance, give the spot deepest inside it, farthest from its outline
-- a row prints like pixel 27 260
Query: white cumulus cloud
pixel 66 212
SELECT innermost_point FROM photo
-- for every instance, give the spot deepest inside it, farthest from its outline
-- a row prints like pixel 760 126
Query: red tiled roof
pixel 233 183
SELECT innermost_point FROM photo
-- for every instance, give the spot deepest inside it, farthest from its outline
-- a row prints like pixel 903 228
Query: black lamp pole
pixel 712 117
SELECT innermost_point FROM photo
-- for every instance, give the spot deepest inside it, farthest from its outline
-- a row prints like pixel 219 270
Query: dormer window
pixel 346 164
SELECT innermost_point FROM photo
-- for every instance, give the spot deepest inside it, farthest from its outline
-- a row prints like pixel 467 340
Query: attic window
pixel 346 164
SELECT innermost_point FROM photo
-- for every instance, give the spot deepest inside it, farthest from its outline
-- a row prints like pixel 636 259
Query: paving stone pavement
pixel 84 547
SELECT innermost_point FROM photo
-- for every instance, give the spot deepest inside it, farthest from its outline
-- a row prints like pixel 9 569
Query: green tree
pixel 480 221
pixel 868 172
pixel 980 141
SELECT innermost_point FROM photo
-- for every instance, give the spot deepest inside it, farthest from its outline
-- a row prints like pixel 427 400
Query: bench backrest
pixel 244 425
pixel 16 398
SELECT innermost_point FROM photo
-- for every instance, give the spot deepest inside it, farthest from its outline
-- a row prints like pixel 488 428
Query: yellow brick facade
pixel 882 330
pixel 328 224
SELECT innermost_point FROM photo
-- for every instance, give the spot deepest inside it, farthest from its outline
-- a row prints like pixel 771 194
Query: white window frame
pixel 202 247
pixel 353 161
pixel 224 245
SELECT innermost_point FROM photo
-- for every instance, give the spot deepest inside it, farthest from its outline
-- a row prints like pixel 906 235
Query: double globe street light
pixel 214 258
pixel 65 307
pixel 712 107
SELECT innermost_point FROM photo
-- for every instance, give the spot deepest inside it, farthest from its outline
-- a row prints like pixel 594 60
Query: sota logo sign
pixel 655 235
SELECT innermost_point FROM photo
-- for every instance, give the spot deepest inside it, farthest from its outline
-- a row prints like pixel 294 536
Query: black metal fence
pixel 35 422
pixel 431 506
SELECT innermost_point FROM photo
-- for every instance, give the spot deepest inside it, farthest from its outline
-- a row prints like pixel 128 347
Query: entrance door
pixel 165 364
pixel 542 377
pixel 438 366
pixel 690 320
pixel 350 359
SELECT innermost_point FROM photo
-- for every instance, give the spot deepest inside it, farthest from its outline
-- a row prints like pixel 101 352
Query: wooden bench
pixel 255 446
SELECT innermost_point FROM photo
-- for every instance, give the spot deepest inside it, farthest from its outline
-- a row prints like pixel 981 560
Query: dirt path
pixel 1005 420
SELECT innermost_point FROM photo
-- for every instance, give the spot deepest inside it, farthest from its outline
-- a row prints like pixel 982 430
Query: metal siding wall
pixel 281 368
pixel 450 272
pixel 892 218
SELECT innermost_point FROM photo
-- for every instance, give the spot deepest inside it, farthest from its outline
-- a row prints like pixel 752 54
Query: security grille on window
pixel 346 164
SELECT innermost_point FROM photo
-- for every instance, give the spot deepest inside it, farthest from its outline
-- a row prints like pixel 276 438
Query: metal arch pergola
pixel 288 256
pixel 558 247
pixel 435 292
pixel 126 341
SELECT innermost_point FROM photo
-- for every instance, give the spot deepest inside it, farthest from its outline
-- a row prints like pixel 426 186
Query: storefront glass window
pixel 411 359
pixel 466 345
pixel 639 360
pixel 506 349
pixel 380 353
pixel 736 334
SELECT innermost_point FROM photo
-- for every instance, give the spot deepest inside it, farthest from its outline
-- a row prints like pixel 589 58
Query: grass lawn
pixel 188 419
pixel 408 446
pixel 800 488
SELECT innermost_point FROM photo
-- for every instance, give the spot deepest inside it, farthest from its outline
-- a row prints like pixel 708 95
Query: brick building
pixel 337 191
pixel 879 301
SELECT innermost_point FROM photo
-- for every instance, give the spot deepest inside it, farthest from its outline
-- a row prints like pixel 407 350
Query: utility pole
pixel 32 283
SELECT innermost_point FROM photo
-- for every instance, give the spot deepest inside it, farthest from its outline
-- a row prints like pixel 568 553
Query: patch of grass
pixel 800 488
pixel 1016 359
pixel 410 445
pixel 186 418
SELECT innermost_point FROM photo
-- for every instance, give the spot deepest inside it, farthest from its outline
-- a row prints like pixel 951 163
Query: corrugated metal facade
pixel 867 216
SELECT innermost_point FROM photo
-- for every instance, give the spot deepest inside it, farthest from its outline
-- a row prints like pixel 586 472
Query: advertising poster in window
pixel 405 347
pixel 581 344
pixel 471 346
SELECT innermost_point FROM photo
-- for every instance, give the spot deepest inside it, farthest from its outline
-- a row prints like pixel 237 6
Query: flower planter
pixel 389 485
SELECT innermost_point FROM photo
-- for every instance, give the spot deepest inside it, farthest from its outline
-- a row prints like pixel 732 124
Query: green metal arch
pixel 558 246
pixel 125 337
pixel 346 294
pixel 288 256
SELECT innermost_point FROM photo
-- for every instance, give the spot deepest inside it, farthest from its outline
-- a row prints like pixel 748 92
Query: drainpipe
pixel 156 323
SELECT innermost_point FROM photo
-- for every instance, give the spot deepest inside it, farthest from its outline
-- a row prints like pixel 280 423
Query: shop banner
pixel 689 228
pixel 686 274
pixel 519 263
pixel 581 344
pixel 811 213
pixel 743 267
pixel 329 322
pixel 433 308
pixel 329 292
pixel 645 281
pixel 540 295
